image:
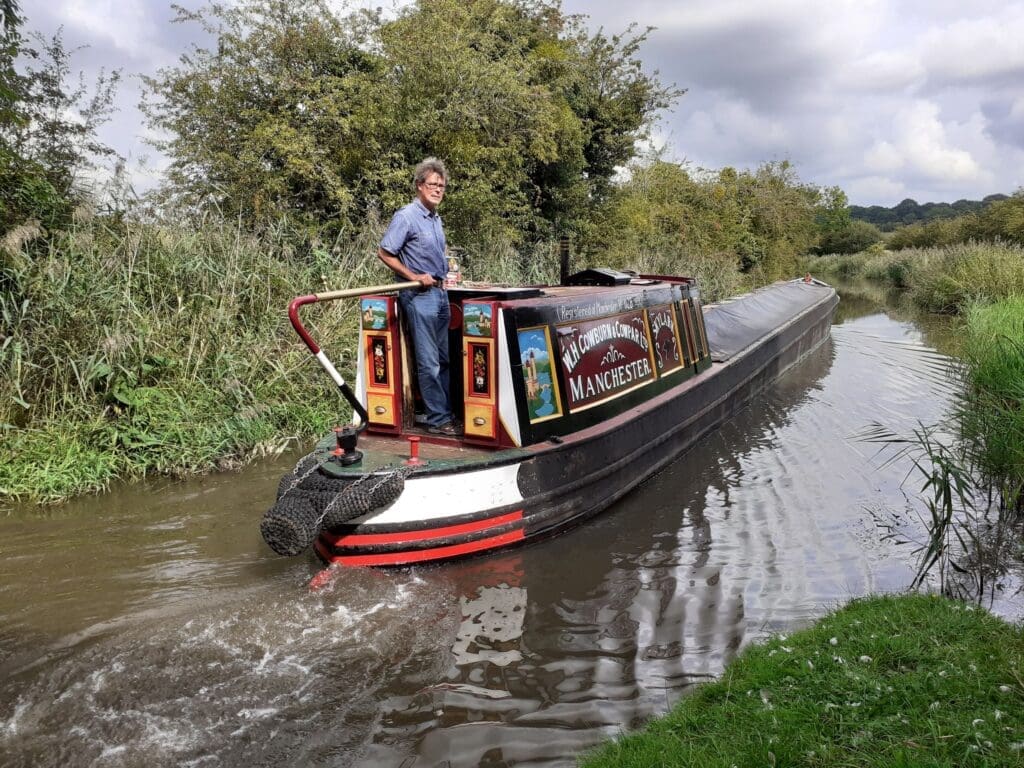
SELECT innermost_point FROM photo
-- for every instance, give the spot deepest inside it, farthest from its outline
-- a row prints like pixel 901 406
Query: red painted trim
pixel 293 315
pixel 423 555
pixel 408 537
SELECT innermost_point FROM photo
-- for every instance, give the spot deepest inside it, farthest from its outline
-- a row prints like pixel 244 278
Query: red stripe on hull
pixel 408 537
pixel 422 555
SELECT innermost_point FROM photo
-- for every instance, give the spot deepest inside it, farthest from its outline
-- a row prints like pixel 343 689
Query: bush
pixel 857 236
pixel 665 218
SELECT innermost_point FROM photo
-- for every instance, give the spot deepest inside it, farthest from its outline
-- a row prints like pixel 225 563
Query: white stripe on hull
pixel 430 498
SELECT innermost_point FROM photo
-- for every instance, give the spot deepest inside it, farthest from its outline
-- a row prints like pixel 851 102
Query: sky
pixel 887 99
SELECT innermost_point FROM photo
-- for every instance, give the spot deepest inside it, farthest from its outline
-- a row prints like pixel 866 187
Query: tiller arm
pixel 326 364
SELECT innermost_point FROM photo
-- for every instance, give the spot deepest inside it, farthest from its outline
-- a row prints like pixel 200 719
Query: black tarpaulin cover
pixel 737 323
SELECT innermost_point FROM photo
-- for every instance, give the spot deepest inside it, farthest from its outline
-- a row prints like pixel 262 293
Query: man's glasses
pixel 434 184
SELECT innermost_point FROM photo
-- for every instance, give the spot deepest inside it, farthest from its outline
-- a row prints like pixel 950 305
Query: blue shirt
pixel 416 237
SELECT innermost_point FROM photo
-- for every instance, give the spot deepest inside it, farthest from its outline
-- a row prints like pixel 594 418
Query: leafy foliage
pixel 306 113
pixel 1000 220
pixel 674 219
pixel 10 41
pixel 855 237
pixel 48 144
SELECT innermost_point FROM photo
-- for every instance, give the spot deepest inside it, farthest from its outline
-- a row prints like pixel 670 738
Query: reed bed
pixel 991 417
pixel 146 348
pixel 942 280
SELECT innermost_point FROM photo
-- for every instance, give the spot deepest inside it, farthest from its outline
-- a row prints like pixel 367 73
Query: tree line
pixel 909 211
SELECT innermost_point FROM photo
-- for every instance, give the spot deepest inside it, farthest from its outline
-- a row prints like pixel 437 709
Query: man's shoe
pixel 448 429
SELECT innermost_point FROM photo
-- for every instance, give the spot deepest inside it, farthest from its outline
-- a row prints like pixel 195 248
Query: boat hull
pixel 547 488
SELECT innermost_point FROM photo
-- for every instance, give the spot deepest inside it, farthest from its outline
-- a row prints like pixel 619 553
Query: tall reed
pixel 946 279
pixel 149 348
pixel 992 413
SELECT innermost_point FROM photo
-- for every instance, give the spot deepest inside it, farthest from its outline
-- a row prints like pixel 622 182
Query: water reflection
pixel 151 626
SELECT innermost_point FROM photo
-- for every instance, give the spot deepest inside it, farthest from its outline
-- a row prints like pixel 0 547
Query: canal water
pixel 150 626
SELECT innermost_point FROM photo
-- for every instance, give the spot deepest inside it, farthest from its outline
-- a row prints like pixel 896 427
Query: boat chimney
pixel 563 259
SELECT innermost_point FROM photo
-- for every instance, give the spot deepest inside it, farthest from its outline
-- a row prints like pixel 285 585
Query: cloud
pixel 883 157
pixel 128 28
pixel 922 140
pixel 874 188
pixel 1005 120
pixel 882 71
pixel 977 50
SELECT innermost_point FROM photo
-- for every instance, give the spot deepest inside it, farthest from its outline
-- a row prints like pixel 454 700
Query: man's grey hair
pixel 428 166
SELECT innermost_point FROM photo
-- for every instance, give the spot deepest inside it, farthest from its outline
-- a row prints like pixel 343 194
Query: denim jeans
pixel 427 314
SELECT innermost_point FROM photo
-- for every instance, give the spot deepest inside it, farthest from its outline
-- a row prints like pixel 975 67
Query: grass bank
pixel 992 413
pixel 885 681
pixel 147 348
pixel 150 349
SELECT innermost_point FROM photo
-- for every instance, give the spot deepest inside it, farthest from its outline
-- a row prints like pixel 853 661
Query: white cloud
pixel 922 138
pixel 127 27
pixel 886 70
pixel 868 190
pixel 971 50
pixel 883 157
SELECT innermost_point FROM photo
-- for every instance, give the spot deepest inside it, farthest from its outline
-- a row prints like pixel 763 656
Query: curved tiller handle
pixel 325 363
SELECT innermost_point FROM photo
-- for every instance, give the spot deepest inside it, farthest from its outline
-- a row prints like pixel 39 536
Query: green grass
pixel 886 681
pixel 992 414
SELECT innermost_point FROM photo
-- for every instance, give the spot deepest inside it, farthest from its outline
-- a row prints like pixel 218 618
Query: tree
pixel 666 217
pixel 48 142
pixel 305 113
pixel 833 212
pixel 12 172
pixel 10 41
pixel 278 120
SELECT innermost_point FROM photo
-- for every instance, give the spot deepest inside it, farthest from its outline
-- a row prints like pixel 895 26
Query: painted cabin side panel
pixel 581 361
pixel 379 369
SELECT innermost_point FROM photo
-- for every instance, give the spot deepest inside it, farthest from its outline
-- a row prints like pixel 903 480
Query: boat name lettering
pixel 605 357
pixel 661 319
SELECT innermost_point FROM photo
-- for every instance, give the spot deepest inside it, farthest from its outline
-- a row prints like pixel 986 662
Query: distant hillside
pixel 911 212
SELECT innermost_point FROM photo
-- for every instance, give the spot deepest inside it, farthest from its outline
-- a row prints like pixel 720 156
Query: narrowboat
pixel 570 396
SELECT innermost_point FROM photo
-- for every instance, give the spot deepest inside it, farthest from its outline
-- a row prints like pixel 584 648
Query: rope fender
pixel 309 501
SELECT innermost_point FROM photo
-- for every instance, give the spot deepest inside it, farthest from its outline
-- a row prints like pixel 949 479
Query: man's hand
pixel 395 265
